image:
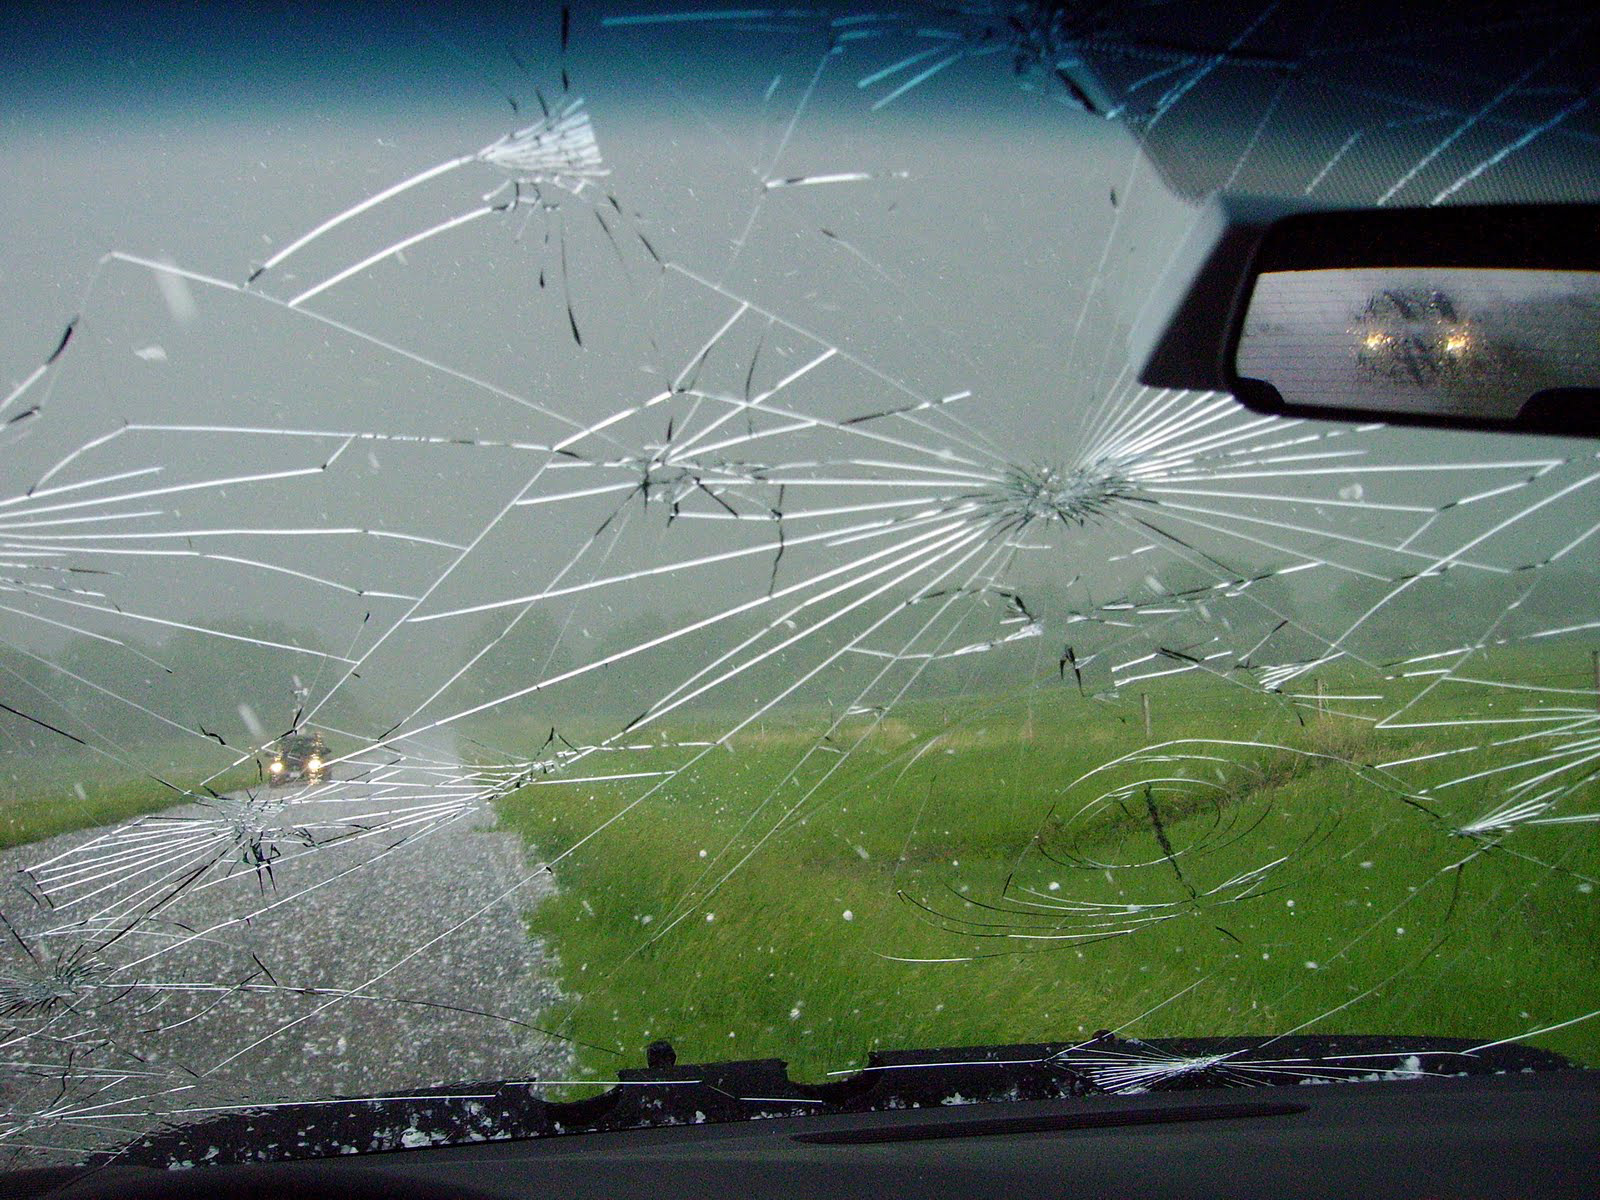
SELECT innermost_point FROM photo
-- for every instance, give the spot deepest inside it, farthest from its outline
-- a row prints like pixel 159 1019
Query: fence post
pixel 1144 702
pixel 1594 656
pixel 1322 698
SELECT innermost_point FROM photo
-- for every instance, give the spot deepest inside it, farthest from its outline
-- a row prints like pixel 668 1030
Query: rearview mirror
pixel 1458 317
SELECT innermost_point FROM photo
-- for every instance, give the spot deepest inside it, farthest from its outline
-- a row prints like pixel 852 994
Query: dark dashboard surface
pixel 1514 1135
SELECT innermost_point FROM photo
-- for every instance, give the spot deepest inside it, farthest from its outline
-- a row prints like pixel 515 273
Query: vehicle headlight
pixel 277 767
pixel 313 763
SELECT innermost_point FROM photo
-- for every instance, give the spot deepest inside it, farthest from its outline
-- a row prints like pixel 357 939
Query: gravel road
pixel 404 928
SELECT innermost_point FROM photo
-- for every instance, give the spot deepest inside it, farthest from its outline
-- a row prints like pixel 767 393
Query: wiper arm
pixel 1047 1123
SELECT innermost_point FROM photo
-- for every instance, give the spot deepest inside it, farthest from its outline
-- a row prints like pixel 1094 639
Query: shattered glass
pixel 746 595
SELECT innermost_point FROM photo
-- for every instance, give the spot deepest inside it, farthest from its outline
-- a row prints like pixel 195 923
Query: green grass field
pixel 750 908
pixel 41 796
pixel 761 898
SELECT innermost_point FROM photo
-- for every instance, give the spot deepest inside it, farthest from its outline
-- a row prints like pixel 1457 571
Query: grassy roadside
pixel 785 939
pixel 40 798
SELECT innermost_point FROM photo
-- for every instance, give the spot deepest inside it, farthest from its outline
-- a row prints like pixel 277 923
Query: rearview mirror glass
pixel 1483 344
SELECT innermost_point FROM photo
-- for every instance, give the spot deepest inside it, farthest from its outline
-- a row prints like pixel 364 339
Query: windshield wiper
pixel 668 1093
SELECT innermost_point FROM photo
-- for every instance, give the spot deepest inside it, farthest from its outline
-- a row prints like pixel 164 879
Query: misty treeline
pixel 243 684
pixel 1006 636
pixel 237 688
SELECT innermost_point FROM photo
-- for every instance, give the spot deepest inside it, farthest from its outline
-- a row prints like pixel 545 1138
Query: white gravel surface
pixel 410 927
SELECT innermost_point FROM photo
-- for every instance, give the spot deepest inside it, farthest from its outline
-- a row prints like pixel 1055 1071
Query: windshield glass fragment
pixel 526 541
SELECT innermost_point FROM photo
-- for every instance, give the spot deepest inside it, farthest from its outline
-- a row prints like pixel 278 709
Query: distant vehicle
pixel 299 758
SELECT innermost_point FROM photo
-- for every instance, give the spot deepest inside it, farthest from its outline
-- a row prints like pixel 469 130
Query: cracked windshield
pixel 531 533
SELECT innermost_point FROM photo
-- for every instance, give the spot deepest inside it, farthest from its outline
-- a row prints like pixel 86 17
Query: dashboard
pixel 1513 1135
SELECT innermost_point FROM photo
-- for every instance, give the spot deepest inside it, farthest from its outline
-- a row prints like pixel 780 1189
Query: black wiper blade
pixel 679 1094
pixel 942 1130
